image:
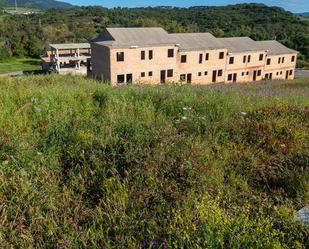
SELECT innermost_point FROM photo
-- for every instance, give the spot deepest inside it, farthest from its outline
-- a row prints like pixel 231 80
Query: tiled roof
pixel 239 44
pixel 275 47
pixel 196 41
pixel 144 37
pixel 126 37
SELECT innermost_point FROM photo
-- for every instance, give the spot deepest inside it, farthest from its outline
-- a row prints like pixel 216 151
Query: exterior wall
pixel 245 71
pixel 279 70
pixel 202 73
pixel 100 60
pixel 133 64
pixel 106 67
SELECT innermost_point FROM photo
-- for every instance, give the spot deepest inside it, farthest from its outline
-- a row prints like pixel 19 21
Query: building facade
pixel 151 56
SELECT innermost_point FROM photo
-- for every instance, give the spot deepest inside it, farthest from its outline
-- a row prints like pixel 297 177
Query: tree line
pixel 28 35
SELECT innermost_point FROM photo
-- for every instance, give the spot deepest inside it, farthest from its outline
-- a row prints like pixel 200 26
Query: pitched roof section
pixel 196 41
pixel 126 37
pixel 147 37
pixel 240 44
pixel 275 47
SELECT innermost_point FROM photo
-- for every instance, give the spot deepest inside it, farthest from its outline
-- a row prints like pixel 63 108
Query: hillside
pixel 28 35
pixel 84 165
pixel 303 14
pixel 44 4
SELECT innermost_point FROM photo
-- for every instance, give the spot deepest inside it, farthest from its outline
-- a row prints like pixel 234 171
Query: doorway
pixel 129 78
pixel 214 76
pixel 254 75
pixel 189 78
pixel 234 77
pixel 287 75
pixel 163 76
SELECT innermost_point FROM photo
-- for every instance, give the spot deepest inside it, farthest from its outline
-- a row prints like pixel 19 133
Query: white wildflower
pixel 184 118
pixel 243 113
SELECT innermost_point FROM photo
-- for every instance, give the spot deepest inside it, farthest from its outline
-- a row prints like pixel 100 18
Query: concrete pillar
pixel 78 64
pixel 58 66
pixel 78 52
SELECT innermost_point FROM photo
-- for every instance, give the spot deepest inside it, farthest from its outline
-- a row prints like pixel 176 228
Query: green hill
pixel 31 34
pixel 85 165
pixel 44 4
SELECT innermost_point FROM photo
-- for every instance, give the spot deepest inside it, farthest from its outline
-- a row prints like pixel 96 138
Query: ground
pixel 85 165
pixel 20 64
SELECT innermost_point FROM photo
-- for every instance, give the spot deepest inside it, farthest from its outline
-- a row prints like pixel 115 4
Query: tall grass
pixel 84 165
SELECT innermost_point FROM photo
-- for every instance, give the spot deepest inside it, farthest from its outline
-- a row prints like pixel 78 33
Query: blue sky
pixel 291 5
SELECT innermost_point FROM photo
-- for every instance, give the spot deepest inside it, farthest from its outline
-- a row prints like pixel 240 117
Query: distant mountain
pixel 42 4
pixel 303 14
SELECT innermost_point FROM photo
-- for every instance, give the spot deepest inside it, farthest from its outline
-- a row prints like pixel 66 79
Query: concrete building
pixel 151 55
pixel 68 58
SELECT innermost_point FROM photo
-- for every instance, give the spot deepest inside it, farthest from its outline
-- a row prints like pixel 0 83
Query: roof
pixel 275 47
pixel 147 37
pixel 196 41
pixel 240 44
pixel 70 45
pixel 126 37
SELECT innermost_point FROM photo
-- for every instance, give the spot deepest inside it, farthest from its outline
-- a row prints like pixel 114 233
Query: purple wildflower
pixel 153 241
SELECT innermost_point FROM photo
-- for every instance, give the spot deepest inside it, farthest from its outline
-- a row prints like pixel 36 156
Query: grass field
pixel 85 165
pixel 20 64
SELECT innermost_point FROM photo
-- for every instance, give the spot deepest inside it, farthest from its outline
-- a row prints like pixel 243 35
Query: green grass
pixel 85 165
pixel 19 64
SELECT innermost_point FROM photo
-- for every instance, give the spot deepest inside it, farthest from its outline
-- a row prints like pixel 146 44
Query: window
pixel 120 56
pixel 150 54
pixel 120 78
pixel 201 58
pixel 243 74
pixel 231 60
pixel 150 73
pixel 221 55
pixel 261 57
pixel 268 61
pixel 230 77
pixel 142 74
pixel 293 58
pixel 143 55
pixel 170 73
pixel 207 57
pixel 183 59
pixel 282 59
pixel 170 53
pixel 205 73
pixel 244 59
pixel 277 73
pixel 259 73
pixel 279 60
pixel 220 72
pixel 248 73
pixel 291 72
pixel 249 58
pixel 281 73
pixel 199 73
pixel 182 77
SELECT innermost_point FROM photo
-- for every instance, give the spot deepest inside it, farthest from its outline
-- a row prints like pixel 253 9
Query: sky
pixel 291 5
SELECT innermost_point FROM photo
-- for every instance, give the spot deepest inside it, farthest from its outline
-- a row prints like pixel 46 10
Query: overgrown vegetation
pixel 84 165
pixel 28 35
